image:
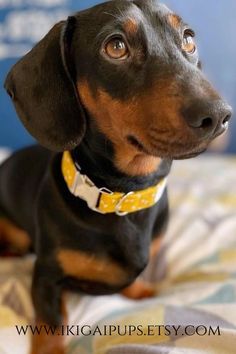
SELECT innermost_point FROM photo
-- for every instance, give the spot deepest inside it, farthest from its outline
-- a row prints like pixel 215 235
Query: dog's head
pixel 130 68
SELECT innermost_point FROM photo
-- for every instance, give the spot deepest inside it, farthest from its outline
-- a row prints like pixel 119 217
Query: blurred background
pixel 24 22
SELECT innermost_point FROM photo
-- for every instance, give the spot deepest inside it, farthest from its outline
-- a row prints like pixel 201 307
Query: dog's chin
pixel 169 152
pixel 183 155
pixel 187 156
pixel 191 152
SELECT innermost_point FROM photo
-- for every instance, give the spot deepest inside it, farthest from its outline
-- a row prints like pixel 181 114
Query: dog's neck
pixel 95 157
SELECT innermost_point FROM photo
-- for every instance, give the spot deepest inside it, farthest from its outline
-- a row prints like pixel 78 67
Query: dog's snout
pixel 208 117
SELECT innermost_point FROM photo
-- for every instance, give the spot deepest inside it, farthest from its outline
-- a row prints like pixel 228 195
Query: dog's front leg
pixel 141 289
pixel 49 310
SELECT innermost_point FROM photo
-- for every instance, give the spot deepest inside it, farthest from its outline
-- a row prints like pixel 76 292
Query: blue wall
pixel 24 22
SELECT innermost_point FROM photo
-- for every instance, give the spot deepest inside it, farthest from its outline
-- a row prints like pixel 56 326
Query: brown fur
pixel 85 266
pixel 174 21
pixel 47 343
pixel 44 343
pixel 118 119
pixel 14 237
pixel 131 26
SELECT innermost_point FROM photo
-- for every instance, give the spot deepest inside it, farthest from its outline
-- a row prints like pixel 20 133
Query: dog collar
pixel 104 201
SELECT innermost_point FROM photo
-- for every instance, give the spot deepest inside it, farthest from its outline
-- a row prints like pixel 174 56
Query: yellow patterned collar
pixel 103 200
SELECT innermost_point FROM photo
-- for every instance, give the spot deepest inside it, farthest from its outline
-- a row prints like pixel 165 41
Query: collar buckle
pixel 85 189
pixel 104 201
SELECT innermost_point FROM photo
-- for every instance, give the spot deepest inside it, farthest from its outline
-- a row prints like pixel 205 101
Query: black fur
pixel 33 193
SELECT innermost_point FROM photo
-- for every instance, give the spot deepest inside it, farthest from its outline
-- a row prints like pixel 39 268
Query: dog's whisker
pixel 112 15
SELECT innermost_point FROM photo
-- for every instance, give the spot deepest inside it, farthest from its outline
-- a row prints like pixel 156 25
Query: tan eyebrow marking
pixel 174 20
pixel 131 26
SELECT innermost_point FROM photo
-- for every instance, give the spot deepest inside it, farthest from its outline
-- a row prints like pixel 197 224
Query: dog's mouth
pixel 189 155
pixel 181 152
pixel 138 145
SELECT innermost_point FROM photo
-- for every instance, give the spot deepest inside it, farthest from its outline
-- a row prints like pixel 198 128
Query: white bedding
pixel 194 275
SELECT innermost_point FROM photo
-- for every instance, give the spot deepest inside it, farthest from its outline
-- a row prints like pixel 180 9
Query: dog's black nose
pixel 208 117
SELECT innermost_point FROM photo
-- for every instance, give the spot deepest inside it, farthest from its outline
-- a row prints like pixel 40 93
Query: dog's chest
pixel 107 264
pixel 90 268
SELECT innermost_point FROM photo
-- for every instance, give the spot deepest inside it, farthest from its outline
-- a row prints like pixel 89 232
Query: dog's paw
pixel 139 290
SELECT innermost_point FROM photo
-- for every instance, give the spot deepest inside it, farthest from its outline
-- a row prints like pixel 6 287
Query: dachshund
pixel 113 95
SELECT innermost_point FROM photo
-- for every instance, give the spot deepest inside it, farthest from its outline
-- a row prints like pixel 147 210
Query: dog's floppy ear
pixel 44 93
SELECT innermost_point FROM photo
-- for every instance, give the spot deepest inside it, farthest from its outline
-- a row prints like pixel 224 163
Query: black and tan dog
pixel 117 93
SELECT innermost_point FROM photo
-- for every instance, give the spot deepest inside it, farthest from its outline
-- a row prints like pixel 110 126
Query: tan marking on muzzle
pixel 116 120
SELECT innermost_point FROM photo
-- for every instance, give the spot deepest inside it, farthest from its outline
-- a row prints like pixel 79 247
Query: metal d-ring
pixel 117 209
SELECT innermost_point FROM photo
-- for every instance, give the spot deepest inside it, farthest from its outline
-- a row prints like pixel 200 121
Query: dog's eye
pixel 188 44
pixel 116 48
